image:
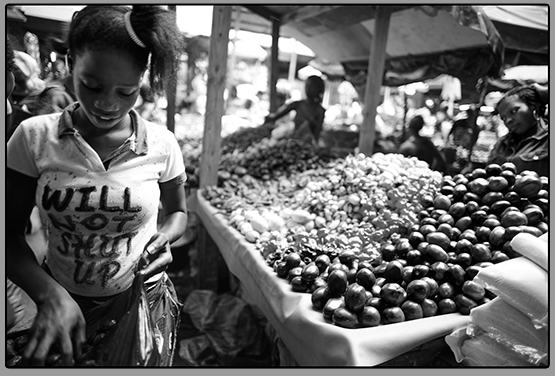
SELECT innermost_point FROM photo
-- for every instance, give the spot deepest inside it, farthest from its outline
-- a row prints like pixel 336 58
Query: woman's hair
pixel 528 95
pixel 101 27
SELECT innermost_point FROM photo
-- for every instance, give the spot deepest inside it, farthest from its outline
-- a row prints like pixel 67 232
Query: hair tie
pixel 131 32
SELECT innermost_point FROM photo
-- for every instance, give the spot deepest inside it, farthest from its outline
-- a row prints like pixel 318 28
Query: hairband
pixel 131 32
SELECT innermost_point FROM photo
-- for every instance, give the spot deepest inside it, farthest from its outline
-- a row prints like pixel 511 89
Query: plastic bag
pixel 511 328
pixel 24 309
pixel 230 326
pixel 522 284
pixel 531 247
pixel 132 342
pixel 482 351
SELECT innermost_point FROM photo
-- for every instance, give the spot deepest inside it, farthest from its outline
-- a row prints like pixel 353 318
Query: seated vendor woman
pixel 522 109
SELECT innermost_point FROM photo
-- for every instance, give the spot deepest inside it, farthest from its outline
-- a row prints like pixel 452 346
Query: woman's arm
pixel 59 318
pixel 174 223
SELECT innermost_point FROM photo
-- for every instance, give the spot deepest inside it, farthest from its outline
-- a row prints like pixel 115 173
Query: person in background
pixel 523 110
pixel 421 147
pixel 97 172
pixel 10 84
pixel 309 112
pixel 27 87
pixel 10 81
pixel 442 127
pixel 460 141
pixel 66 80
pixel 147 103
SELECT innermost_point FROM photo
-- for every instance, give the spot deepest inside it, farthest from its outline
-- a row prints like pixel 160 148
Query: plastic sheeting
pixel 229 332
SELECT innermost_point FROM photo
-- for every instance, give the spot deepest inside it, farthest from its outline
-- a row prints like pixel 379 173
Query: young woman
pixel 523 111
pixel 97 172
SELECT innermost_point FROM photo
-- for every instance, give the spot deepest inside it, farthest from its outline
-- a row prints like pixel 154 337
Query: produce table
pixel 311 340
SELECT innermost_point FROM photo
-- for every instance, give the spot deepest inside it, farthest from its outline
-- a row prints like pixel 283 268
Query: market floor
pixel 202 346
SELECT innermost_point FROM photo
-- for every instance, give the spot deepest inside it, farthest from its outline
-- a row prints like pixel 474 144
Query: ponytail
pixel 157 29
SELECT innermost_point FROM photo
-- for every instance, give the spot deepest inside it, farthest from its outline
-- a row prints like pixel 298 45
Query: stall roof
pixel 525 32
pixel 424 41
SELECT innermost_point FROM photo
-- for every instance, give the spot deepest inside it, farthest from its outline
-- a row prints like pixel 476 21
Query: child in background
pixel 309 112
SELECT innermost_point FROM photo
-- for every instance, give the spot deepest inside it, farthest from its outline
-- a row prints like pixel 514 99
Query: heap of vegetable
pixel 381 239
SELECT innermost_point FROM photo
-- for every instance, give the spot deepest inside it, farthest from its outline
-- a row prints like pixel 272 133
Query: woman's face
pixel 516 115
pixel 107 86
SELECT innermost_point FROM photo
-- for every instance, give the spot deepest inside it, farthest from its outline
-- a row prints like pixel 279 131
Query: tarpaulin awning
pixel 524 30
pixel 423 41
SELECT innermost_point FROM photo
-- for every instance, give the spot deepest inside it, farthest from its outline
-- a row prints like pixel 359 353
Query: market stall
pixel 304 331
pixel 311 340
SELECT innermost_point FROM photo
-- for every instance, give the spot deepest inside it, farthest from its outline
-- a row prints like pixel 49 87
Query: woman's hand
pixel 156 257
pixel 59 321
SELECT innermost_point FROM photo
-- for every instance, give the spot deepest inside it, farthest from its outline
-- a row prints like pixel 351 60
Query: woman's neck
pixel 532 131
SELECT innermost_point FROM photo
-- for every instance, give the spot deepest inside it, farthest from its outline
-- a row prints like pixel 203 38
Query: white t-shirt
pixel 98 220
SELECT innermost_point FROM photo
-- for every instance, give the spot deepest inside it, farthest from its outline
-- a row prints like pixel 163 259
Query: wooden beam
pixel 217 71
pixel 306 12
pixel 374 80
pixel 274 65
pixel 263 11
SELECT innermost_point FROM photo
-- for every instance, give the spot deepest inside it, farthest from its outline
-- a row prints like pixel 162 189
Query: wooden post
pixel 209 257
pixel 374 80
pixel 292 64
pixel 171 95
pixel 274 64
pixel 233 58
pixel 217 70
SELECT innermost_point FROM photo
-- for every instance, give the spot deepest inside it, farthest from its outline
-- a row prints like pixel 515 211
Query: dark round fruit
pixel 417 290
pixel 337 282
pixel 369 317
pixel 344 318
pixel 429 308
pixel 320 297
pixel 392 294
pixel 355 297
pixel 412 310
pixel 493 169
pixel 392 315
pixel 366 278
pixel 446 305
